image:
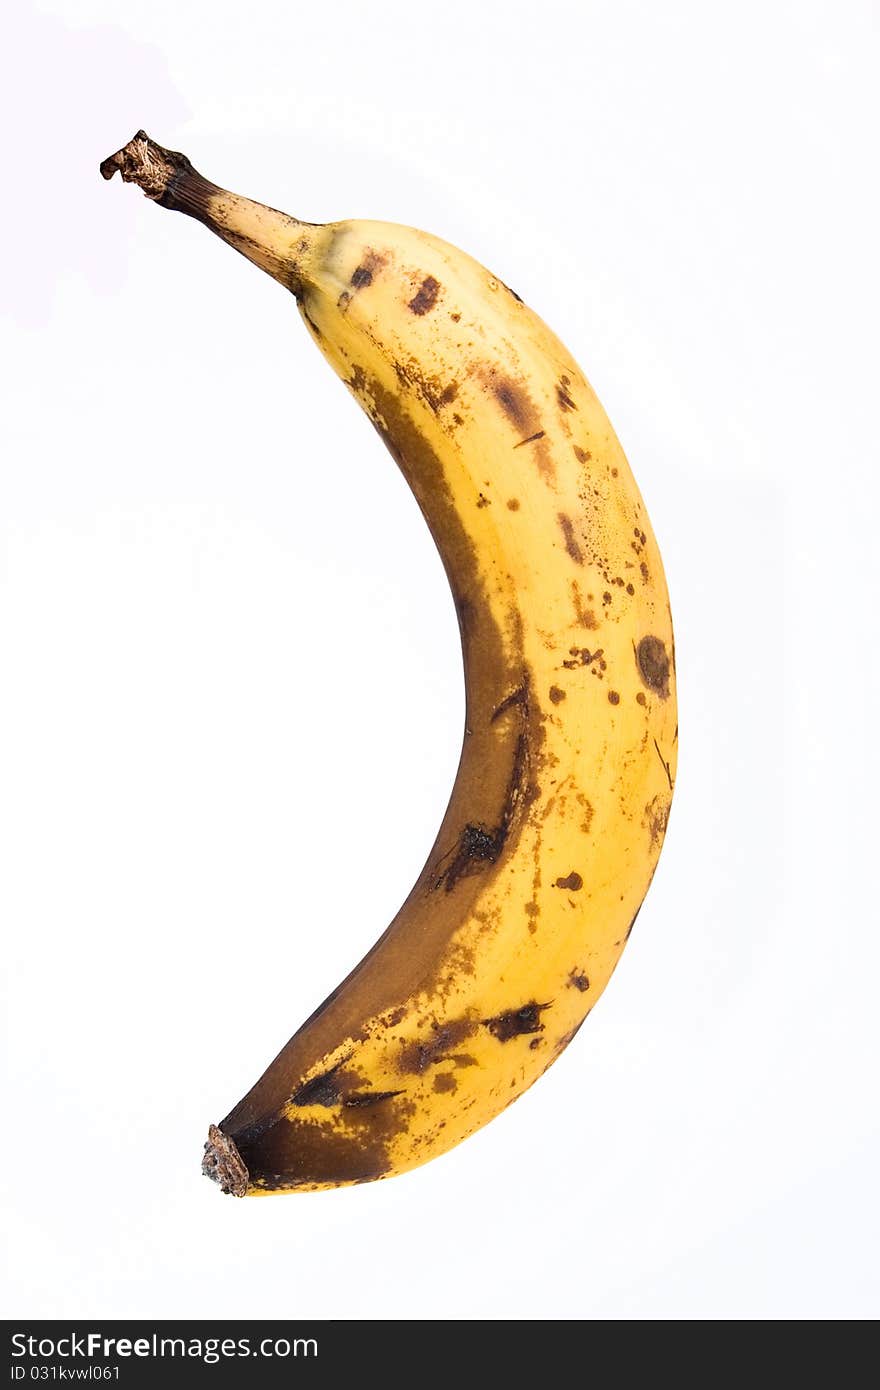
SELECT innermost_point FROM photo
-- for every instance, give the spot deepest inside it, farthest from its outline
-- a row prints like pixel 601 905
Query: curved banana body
pixel 561 801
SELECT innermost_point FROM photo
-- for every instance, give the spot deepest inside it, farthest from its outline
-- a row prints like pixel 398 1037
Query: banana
pixel 563 791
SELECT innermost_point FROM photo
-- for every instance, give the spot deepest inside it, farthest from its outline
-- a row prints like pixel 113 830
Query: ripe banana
pixel 563 791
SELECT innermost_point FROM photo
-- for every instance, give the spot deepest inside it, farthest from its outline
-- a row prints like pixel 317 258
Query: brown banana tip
pixel 222 1162
pixel 147 164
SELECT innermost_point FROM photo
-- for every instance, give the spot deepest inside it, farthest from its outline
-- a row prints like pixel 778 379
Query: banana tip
pixel 223 1164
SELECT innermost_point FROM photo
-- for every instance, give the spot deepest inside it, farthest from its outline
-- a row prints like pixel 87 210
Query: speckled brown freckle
pixel 613 697
pixel 513 504
pixel 582 455
pixel 445 1081
pixel 578 980
pixel 640 698
pixel 614 472
pixel 556 694
pixel 630 589
pixel 483 501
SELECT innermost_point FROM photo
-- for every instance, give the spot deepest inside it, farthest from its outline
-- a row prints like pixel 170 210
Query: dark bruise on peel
pixel 513 1023
pixel 480 845
pixel 321 1090
pixel 416 1057
pixel 338 1150
pixel 361 1098
pixel 652 660
pixel 563 399
pixel 426 296
pixel 516 698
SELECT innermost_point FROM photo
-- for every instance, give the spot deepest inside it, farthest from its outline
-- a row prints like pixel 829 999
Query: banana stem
pixel 270 239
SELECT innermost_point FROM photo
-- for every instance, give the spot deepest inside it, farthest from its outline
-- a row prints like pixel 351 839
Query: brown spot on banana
pixel 585 616
pixel 426 296
pixel 656 818
pixel 573 882
pixel 579 981
pixel 563 398
pixel 417 1056
pixel 515 403
pixel 519 409
pixel 571 543
pixel 366 272
pixel 652 661
pixel 515 1022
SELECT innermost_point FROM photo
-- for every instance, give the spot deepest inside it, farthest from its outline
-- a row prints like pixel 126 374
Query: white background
pixel 231 697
